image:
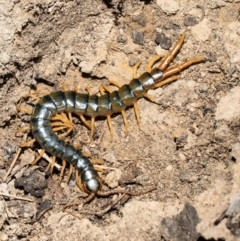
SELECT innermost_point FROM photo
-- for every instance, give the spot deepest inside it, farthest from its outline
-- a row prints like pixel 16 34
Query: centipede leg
pixel 92 126
pixel 135 68
pixel 136 110
pixel 23 129
pixel 64 164
pixel 123 112
pixel 52 164
pixel 166 81
pixel 38 157
pixel 85 122
pixel 105 194
pixel 87 200
pixel 27 143
pixel 125 120
pixel 24 110
pixel 109 120
pixel 69 173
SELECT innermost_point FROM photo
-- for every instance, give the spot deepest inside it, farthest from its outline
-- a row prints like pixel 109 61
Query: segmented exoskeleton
pixel 93 106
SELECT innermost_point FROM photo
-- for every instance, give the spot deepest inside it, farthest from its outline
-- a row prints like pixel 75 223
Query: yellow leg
pixel 70 173
pixel 110 126
pixel 33 97
pixel 149 97
pixel 64 86
pixel 92 126
pixel 153 61
pixel 166 81
pixel 85 122
pixel 65 134
pixel 52 164
pixel 115 83
pixel 136 110
pixel 40 91
pixel 24 110
pixel 27 143
pixel 168 58
pixel 38 157
pixel 101 89
pixel 135 68
pixel 125 120
pixel 23 129
pixel 64 163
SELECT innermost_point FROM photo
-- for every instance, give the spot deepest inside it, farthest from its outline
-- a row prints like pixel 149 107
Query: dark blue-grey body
pixel 89 105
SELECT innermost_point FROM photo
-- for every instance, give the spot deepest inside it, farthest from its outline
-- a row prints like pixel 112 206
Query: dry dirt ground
pixel 188 146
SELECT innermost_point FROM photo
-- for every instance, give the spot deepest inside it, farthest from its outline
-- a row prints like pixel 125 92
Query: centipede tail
pixel 43 133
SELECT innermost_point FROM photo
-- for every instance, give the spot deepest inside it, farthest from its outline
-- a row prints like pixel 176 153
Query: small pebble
pixel 138 37
pixel 163 40
pixel 140 19
pixel 190 21
pixel 169 168
pixel 182 157
pixel 168 6
pixel 133 61
pixel 122 38
pixel 128 50
pixel 4 237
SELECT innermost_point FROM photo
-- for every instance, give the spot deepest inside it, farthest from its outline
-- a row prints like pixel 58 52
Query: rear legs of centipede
pixel 62 124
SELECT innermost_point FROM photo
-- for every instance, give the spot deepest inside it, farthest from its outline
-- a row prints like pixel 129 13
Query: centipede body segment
pixel 93 106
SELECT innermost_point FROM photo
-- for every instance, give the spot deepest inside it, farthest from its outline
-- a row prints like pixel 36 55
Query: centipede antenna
pixel 175 69
pixel 168 58
pixel 152 61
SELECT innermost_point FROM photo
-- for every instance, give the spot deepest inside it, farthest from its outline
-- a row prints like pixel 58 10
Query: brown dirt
pixel 188 145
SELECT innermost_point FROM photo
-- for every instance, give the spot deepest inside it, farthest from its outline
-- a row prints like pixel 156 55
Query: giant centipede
pixel 94 106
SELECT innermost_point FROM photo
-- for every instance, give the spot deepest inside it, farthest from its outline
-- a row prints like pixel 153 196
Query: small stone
pixel 168 6
pixel 4 237
pixel 228 107
pixel 128 50
pixel 201 31
pixel 190 21
pixel 122 38
pixel 133 61
pixel 87 38
pixel 169 168
pixel 112 178
pixel 140 19
pixel 236 151
pixel 163 40
pixel 138 37
pixel 182 157
pixel 203 87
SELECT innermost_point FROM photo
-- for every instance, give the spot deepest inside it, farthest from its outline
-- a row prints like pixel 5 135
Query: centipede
pixel 105 105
